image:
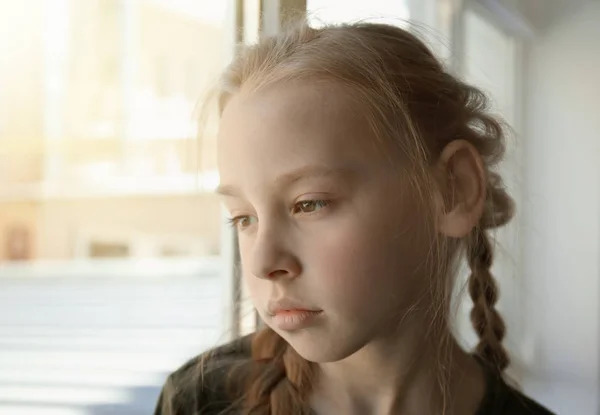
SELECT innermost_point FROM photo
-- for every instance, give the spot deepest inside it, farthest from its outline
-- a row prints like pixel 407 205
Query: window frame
pixel 252 19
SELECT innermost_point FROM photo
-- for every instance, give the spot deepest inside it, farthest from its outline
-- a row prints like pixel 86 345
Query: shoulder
pixel 517 403
pixel 200 385
pixel 503 399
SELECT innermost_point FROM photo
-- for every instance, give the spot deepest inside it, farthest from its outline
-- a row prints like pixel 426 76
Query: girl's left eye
pixel 310 206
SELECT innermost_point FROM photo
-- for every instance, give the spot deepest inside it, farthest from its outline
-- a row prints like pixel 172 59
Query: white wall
pixel 562 211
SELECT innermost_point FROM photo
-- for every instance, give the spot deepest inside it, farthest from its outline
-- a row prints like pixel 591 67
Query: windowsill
pixel 157 268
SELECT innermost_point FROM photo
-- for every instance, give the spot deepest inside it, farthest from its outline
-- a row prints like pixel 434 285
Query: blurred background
pixel 115 263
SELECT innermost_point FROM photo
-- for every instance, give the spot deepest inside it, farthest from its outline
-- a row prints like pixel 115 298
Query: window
pixel 108 250
pixel 116 258
pixel 162 77
pixel 192 71
pixel 338 11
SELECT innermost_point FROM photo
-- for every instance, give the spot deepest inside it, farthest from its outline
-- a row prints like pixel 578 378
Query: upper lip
pixel 286 304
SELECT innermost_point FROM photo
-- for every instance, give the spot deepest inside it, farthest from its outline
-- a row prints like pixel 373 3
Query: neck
pixel 402 373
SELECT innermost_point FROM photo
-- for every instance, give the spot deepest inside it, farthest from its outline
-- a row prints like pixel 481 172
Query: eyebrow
pixel 293 176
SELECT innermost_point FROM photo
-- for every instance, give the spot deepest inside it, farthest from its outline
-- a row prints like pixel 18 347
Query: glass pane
pixel 339 11
pixel 110 236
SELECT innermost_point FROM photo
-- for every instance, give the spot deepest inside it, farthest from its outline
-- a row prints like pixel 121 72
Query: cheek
pixel 256 292
pixel 253 286
pixel 351 264
pixel 257 289
pixel 366 262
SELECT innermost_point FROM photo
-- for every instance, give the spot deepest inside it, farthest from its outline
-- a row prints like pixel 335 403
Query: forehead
pixel 288 126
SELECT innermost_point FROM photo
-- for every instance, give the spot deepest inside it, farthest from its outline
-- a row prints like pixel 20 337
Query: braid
pixel 280 383
pixel 486 320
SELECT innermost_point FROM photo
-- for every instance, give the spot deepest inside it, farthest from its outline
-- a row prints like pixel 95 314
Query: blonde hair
pixel 411 103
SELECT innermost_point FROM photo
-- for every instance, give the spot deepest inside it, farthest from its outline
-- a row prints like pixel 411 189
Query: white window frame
pixel 251 19
pixel 230 276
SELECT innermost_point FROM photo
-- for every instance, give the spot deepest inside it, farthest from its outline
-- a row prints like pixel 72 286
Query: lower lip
pixel 290 320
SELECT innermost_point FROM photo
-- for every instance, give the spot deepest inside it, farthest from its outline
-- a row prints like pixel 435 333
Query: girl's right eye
pixel 242 222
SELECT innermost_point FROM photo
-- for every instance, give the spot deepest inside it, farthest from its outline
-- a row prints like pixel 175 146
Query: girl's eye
pixel 242 222
pixel 310 206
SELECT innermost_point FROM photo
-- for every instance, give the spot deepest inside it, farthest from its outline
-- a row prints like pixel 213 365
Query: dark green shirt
pixel 189 391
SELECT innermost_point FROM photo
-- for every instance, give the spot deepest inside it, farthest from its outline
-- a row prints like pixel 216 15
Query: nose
pixel 273 258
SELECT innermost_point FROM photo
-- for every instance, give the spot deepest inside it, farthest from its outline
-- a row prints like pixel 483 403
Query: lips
pixel 286 305
pixel 294 320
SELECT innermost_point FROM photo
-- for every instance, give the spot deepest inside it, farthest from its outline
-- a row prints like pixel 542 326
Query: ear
pixel 463 179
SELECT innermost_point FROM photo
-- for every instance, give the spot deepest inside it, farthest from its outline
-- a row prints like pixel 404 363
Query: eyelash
pixel 235 221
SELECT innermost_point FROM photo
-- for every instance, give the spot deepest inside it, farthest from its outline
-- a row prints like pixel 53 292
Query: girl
pixel 358 174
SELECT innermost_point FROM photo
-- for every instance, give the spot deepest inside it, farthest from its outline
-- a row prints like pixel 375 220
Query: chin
pixel 318 347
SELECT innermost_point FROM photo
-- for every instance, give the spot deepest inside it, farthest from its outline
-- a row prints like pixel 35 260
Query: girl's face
pixel 325 223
